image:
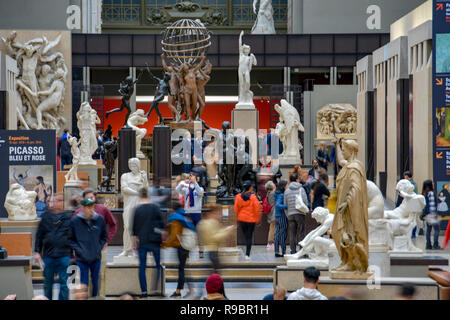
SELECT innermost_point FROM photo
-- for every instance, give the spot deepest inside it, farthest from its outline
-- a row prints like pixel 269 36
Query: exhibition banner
pixel 28 157
pixel 441 106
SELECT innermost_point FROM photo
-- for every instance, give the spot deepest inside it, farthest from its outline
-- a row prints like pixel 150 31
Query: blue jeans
pixel 436 234
pixel 155 249
pixel 59 266
pixel 94 267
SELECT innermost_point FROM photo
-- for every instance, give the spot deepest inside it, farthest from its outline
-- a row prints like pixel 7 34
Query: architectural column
pixel 91 16
pixel 86 84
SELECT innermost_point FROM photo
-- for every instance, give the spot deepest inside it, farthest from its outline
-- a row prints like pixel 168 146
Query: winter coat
pixel 289 198
pixel 53 234
pixel 88 237
pixel 148 224
pixel 307 294
pixel 247 208
pixel 280 207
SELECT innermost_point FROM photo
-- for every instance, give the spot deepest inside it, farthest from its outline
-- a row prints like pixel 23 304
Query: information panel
pixel 28 157
pixel 441 105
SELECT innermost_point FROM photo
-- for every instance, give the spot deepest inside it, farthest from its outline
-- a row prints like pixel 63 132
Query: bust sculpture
pixel 246 61
pixel 20 203
pixel 138 118
pixel 350 226
pixel 87 120
pixel 287 129
pixel 314 245
pixel 264 23
pixel 131 183
pixel 72 175
pixel 403 218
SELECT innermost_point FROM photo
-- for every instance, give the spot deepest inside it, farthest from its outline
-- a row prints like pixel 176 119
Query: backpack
pixel 266 205
pixel 299 204
pixel 188 239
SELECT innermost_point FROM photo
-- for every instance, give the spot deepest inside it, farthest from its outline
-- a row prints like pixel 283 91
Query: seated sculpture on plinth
pixel 20 203
pixel 404 218
pixel 314 246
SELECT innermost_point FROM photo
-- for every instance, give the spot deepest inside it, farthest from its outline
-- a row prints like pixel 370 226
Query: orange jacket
pixel 247 211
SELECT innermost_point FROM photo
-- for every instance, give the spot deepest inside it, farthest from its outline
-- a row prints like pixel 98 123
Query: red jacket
pixel 247 211
pixel 447 235
pixel 111 224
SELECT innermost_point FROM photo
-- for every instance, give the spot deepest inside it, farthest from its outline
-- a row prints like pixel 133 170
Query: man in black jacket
pixel 52 241
pixel 88 237
pixel 148 228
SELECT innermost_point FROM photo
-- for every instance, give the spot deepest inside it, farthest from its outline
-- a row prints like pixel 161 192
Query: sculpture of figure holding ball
pixel 246 61
pixel 131 183
pixel 126 91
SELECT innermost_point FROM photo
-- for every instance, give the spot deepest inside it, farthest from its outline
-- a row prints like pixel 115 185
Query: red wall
pixel 213 115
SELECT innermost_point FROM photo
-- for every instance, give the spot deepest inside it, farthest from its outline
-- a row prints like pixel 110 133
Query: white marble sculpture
pixel 41 82
pixel 20 203
pixel 379 229
pixel 131 183
pixel 72 175
pixel 287 129
pixel 246 61
pixel 336 119
pixel 314 245
pixel 264 23
pixel 87 120
pixel 138 118
pixel 404 218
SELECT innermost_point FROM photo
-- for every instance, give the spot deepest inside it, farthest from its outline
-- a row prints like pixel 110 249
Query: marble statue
pixel 379 230
pixel 41 82
pixel 72 175
pixel 336 120
pixel 314 245
pixel 287 129
pixel 138 118
pixel 264 23
pixel 404 218
pixel 246 61
pixel 87 120
pixel 126 90
pixel 131 183
pixel 20 203
pixel 109 148
pixel 350 230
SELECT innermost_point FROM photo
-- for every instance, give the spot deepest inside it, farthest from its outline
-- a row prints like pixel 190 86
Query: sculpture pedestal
pixel 404 244
pixel 305 263
pixel 162 160
pixel 350 275
pixel 247 120
pixel 15 277
pixel 70 193
pixel 126 151
pixel 7 226
pixel 379 234
pixel 245 105
pixel 132 260
pixel 292 277
pixel 94 173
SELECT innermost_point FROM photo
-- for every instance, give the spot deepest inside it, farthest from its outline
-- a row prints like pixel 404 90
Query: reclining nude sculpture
pixel 314 245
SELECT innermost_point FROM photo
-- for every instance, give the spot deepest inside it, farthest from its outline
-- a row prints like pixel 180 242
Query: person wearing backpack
pixel 296 217
pixel 177 222
pixel 269 210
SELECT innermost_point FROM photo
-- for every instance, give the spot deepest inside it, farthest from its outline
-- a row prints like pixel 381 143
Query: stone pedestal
pixel 15 278
pixel 132 260
pixel 126 150
pixel 162 149
pixel 7 226
pixel 70 193
pixel 292 277
pixel 379 234
pixel 410 264
pixel 124 278
pixel 247 120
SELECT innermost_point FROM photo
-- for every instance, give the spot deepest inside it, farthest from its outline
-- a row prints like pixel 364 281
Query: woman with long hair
pixel 43 194
pixel 281 220
pixel 430 215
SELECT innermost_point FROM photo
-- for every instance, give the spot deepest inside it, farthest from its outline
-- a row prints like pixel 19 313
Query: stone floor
pixel 237 290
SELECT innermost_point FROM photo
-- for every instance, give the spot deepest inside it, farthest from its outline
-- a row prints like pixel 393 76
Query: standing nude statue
pixel 203 77
pixel 173 100
pixel 246 61
pixel 162 89
pixel 72 175
pixel 190 88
